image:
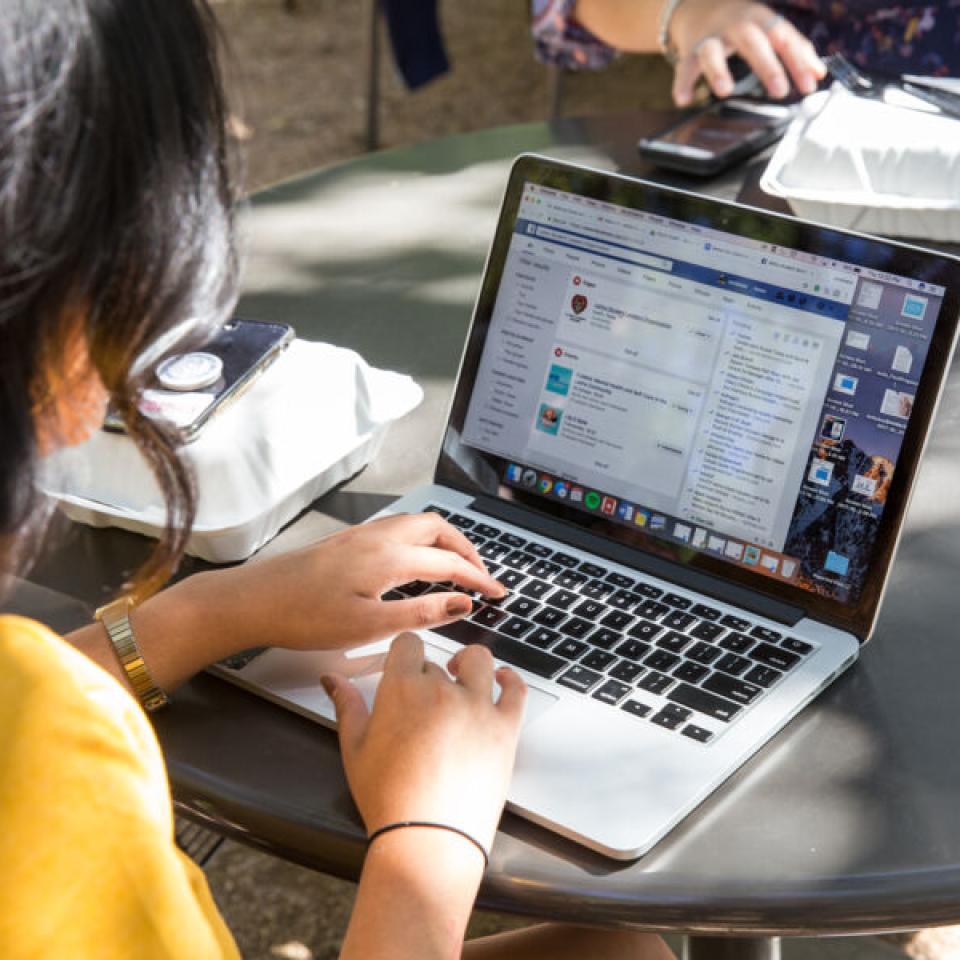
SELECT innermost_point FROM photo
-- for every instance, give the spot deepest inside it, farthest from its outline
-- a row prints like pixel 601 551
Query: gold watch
pixel 115 617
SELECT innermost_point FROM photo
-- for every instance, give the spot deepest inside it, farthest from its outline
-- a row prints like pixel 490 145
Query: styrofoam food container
pixel 315 418
pixel 871 166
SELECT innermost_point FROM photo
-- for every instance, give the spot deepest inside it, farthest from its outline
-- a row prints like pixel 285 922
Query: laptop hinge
pixel 695 580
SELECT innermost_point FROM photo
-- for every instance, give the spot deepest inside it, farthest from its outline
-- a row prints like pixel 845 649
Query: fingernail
pixel 457 606
pixel 328 684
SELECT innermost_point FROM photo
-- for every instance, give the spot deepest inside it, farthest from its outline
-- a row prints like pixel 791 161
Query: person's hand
pixel 433 749
pixel 707 32
pixel 327 595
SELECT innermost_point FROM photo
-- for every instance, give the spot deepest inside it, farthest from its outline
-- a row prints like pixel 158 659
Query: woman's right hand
pixel 433 749
pixel 706 32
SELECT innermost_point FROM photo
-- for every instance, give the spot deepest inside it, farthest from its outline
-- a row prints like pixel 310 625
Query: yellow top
pixel 88 864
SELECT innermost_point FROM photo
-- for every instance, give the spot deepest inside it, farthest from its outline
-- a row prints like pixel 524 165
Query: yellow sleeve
pixel 88 864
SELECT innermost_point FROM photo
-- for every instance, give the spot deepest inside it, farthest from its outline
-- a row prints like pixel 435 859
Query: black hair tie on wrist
pixel 434 826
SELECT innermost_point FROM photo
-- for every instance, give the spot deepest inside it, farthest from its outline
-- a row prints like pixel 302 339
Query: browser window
pixel 717 391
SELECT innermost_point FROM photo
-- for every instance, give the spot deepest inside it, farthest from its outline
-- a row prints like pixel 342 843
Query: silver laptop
pixel 684 435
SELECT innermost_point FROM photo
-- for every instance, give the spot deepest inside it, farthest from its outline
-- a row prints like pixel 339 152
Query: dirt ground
pixel 297 83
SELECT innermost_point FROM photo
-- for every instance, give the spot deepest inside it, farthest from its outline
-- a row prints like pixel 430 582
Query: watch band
pixel 115 617
pixel 667 47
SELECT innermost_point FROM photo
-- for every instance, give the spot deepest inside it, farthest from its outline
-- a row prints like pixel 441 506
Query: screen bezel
pixel 476 472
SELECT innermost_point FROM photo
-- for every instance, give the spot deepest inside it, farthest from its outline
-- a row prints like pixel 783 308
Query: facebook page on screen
pixel 725 394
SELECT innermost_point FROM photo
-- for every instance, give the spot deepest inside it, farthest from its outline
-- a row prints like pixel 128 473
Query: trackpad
pixel 537 700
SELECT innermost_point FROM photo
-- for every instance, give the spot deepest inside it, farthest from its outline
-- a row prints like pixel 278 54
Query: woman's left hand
pixel 327 595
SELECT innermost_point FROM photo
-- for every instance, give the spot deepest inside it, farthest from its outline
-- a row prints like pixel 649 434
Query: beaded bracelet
pixel 435 826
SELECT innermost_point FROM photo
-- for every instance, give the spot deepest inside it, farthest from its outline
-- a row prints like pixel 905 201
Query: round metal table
pixel 846 822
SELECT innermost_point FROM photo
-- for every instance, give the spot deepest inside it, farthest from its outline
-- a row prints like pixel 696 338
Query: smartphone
pixel 721 134
pixel 190 389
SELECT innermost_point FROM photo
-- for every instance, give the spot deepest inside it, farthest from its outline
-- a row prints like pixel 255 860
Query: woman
pixel 115 249
pixel 780 40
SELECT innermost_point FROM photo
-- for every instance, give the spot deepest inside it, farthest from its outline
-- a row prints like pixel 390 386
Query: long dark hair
pixel 115 214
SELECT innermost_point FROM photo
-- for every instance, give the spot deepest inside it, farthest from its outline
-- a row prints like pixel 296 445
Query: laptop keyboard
pixel 660 656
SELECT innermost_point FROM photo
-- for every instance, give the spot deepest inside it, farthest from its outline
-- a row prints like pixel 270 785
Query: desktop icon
pixel 832 429
pixel 529 478
pixel 716 544
pixel 592 500
pixel 787 568
pixel 576 494
pixel 657 522
pixel 608 506
pixel 751 556
pixel 913 306
pixel 821 472
pixel 864 485
pixel 844 383
pixel 546 484
pixel 641 517
pixel 625 511
pixel 769 563
pixel 682 532
pixel 579 303
pixel 837 563
pixel 733 550
pixel 514 473
pixel 560 489
pixel 699 538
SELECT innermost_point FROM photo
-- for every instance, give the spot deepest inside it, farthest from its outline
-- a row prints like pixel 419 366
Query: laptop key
pixel 704 653
pixel 535 589
pixel 704 612
pixel 765 676
pixel 543 637
pixel 655 682
pixel 488 616
pixel 589 608
pixel 661 660
pixel 544 569
pixel 550 617
pixel 580 678
pixel 733 663
pixel 645 630
pixel 694 732
pixel 433 508
pixel 598 659
pixel 674 642
pixel 512 540
pixel 675 600
pixel 523 606
pixel 623 600
pixel 626 671
pixel 677 620
pixel 519 559
pixel 515 627
pixel 707 631
pixel 577 627
pixel 737 642
pixel 570 648
pixel 494 550
pixel 604 638
pixel 735 623
pixel 796 646
pixel 706 703
pixel 393 595
pixel 771 656
pixel 504 648
pixel 648 590
pixel 617 620
pixel 651 609
pixel 737 690
pixel 564 599
pixel 569 579
pixel 597 589
pixel 511 579
pixel 633 649
pixel 592 570
pixel 538 550
pixel 564 559
pixel 619 580
pixel 475 538
pixel 485 530
pixel 635 707
pixel 611 692
pixel 671 716
pixel 690 672
pixel 765 633
pixel 460 521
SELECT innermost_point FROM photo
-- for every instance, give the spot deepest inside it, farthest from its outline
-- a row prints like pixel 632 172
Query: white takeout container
pixel 316 417
pixel 871 166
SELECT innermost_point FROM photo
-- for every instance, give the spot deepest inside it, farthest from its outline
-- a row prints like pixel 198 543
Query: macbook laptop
pixel 684 435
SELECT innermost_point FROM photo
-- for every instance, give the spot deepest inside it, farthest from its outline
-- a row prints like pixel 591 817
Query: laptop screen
pixel 734 396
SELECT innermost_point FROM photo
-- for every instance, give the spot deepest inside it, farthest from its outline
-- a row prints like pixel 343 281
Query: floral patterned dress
pixel 885 37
